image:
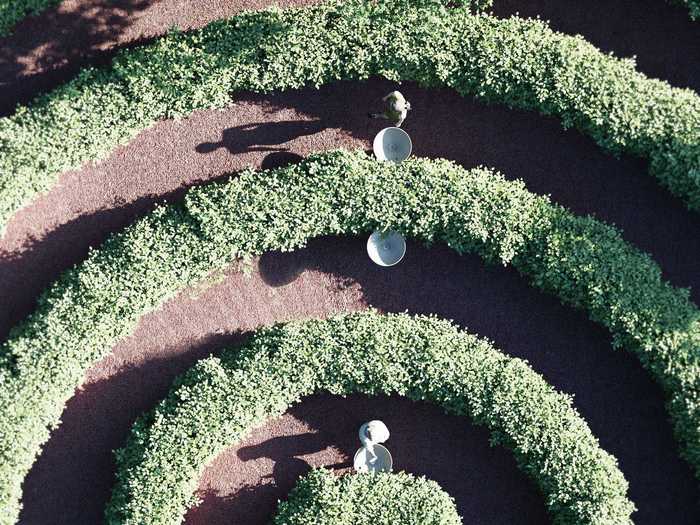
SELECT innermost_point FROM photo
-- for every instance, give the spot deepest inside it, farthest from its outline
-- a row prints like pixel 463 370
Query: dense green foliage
pixel 321 498
pixel 521 63
pixel 693 6
pixel 584 262
pixel 220 400
pixel 12 11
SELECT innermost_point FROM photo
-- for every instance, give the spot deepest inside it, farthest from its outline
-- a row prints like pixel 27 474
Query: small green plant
pixel 520 63
pixel 322 498
pixel 216 404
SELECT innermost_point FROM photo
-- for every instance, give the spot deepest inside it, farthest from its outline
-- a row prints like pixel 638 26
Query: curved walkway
pixel 70 483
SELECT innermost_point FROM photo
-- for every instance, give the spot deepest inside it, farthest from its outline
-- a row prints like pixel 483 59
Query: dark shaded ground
pixel 71 480
pixel 50 48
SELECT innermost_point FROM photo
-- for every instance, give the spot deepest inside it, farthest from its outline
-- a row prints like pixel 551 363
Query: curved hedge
pixel 584 262
pixel 220 400
pixel 520 63
pixel 322 498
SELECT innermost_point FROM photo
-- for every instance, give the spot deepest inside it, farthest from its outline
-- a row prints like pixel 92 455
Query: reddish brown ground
pixel 70 482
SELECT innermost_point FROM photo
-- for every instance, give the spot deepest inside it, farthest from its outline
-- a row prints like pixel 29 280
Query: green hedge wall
pixel 220 400
pixel 584 262
pixel 322 498
pixel 520 63
pixel 12 11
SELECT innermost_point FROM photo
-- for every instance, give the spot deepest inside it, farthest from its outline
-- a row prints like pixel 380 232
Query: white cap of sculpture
pixel 371 433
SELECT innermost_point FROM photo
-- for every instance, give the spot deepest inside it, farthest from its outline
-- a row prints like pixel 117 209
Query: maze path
pixel 656 230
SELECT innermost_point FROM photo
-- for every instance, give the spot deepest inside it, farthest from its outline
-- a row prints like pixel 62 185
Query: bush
pixel 520 63
pixel 12 11
pixel 320 498
pixel 220 400
pixel 584 262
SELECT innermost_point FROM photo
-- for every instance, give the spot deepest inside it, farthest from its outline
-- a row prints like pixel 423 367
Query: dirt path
pixel 614 394
pixel 243 485
pixel 56 230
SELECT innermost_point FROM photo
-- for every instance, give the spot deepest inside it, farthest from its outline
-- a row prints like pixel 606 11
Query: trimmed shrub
pixel 321 498
pixel 12 11
pixel 220 400
pixel 520 63
pixel 584 262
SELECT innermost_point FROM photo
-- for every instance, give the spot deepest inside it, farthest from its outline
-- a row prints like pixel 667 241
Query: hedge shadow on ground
pixel 661 35
pixel 424 441
pixel 74 475
pixel 622 405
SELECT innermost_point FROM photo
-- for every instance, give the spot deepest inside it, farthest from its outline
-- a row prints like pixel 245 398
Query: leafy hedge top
pixel 12 11
pixel 521 63
pixel 322 498
pixel 584 262
pixel 221 399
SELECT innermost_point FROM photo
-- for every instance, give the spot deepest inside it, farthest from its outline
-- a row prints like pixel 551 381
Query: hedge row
pixel 586 263
pixel 321 498
pixel 520 63
pixel 12 11
pixel 221 400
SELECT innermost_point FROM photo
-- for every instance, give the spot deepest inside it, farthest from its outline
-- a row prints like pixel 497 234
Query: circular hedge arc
pixel 584 262
pixel 220 400
pixel 520 63
pixel 322 498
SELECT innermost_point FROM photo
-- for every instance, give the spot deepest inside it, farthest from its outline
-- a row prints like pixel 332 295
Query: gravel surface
pixel 70 482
